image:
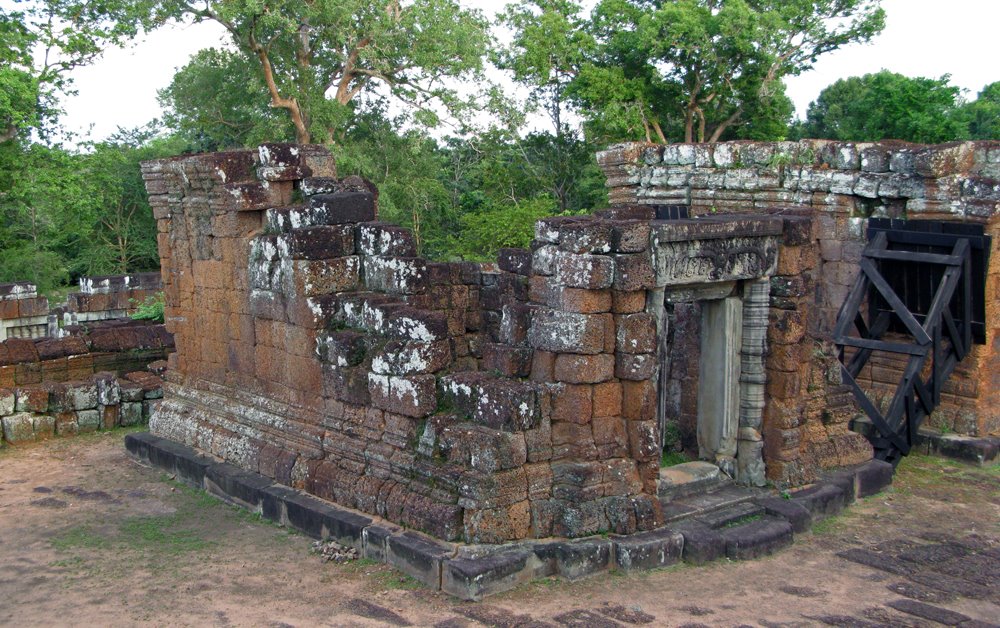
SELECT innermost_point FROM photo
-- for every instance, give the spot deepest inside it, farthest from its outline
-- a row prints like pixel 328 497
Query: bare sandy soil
pixel 90 537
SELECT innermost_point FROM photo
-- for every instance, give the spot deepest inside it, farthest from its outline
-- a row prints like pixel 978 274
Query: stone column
pixel 753 378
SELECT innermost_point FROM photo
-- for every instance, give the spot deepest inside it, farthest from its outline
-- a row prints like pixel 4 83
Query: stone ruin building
pixel 529 399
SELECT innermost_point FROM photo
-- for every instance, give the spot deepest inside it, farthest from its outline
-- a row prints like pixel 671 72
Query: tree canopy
pixel 887 105
pixel 316 58
pixel 687 69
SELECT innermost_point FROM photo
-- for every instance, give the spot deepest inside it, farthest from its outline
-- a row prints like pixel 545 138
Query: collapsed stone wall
pixel 316 348
pixel 834 187
pixel 109 296
pixel 114 346
pixel 101 401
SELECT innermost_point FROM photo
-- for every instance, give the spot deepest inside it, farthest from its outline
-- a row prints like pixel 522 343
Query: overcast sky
pixel 922 38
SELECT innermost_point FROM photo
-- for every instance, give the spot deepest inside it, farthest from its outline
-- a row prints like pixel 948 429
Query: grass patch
pixel 830 525
pixel 80 537
pixel 392 579
pixel 165 535
pixel 743 521
pixel 670 458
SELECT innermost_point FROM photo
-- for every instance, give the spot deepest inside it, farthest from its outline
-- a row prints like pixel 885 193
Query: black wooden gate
pixel 920 295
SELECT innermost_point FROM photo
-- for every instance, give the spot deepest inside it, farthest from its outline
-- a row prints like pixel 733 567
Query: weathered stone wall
pixel 101 401
pixel 834 188
pixel 475 404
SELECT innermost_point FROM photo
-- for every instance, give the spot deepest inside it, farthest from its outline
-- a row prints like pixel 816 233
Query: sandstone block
pixel 635 366
pixel 636 333
pixel 580 300
pixel 344 207
pixel 630 236
pixel 584 369
pixel 320 277
pixel 399 357
pixel 414 395
pixel 572 403
pixel 396 275
pixel 317 243
pixel 384 239
pixel 7 402
pixel 593 272
pixel 566 332
pixel 644 440
pixel 32 400
pixel 341 348
pixel 510 361
pixel 585 236
pixel 638 400
pixel 634 272
pixel 517 261
pixel 19 428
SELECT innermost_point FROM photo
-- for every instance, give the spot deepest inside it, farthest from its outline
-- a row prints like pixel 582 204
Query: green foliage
pixel 43 41
pixel 64 214
pixel 887 105
pixel 982 116
pixel 315 59
pixel 151 309
pixel 700 70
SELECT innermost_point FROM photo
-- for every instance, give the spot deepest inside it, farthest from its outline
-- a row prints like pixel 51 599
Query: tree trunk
pixel 728 122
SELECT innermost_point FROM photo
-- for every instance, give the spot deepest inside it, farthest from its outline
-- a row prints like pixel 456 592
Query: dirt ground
pixel 90 537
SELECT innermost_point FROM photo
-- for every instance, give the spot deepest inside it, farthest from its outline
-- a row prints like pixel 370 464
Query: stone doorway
pixel 712 378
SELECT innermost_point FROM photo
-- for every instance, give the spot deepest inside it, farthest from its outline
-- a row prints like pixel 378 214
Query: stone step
pixel 703 504
pixel 690 478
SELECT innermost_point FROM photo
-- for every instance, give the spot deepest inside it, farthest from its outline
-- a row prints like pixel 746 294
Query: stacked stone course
pixel 832 189
pixel 102 401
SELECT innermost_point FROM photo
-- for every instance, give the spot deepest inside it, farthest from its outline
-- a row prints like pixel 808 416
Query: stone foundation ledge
pixel 471 572
pixel 980 450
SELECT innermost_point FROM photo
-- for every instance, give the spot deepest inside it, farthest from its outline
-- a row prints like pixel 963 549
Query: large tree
pixel 887 105
pixel 315 58
pixel 694 69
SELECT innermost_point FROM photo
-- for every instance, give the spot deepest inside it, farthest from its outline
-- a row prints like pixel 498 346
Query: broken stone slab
pixel 821 500
pixel 701 543
pixel 648 550
pixel 731 515
pixel 761 537
pixel 689 478
pixel 235 485
pixel 977 450
pixel 862 480
pixel 793 512
pixel 345 207
pixel 320 519
pixel 576 559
